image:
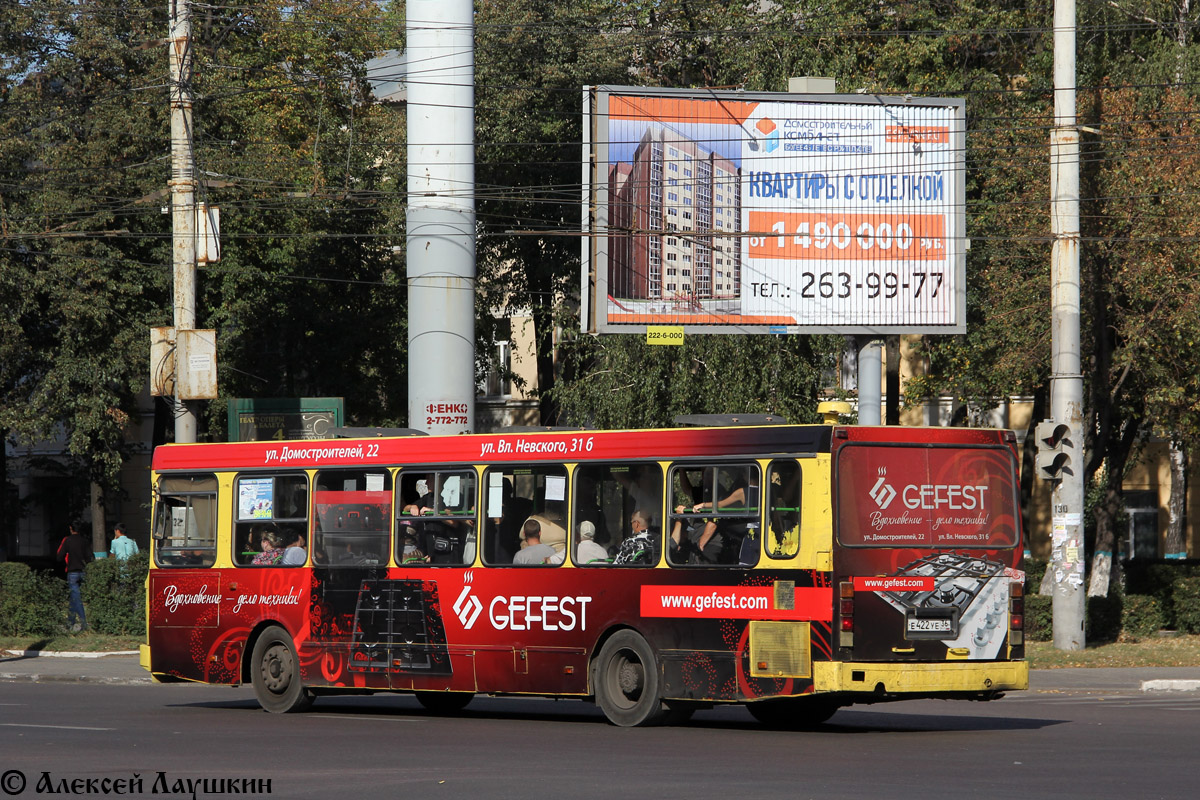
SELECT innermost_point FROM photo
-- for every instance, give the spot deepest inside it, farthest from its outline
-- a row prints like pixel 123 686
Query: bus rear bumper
pixel 867 681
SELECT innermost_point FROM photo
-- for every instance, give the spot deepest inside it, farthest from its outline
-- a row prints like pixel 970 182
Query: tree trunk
pixel 99 526
pixel 1177 506
pixel 1106 517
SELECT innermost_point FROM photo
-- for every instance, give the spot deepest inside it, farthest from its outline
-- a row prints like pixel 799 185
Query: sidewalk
pixel 123 668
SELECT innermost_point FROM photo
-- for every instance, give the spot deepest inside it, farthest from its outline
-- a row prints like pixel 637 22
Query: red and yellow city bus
pixel 794 568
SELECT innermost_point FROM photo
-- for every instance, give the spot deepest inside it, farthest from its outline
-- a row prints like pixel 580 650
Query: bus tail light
pixel 1016 613
pixel 846 614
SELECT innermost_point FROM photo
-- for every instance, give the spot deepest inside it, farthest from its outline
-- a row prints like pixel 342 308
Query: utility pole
pixel 1060 440
pixel 440 251
pixel 182 186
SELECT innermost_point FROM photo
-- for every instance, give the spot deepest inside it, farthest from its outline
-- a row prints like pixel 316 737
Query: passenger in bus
pixel 641 546
pixel 534 552
pixel 587 551
pixel 410 551
pixel 272 547
pixel 294 555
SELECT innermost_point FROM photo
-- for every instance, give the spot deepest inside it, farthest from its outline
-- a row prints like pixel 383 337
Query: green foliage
pixel 621 382
pixel 31 603
pixel 1185 605
pixel 1035 569
pixel 1141 616
pixel 1039 622
pixel 113 595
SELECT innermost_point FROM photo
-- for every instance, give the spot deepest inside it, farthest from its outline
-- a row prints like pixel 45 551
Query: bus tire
pixel 627 682
pixel 793 713
pixel 275 673
pixel 444 702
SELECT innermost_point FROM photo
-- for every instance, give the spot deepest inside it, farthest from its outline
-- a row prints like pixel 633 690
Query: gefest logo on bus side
pixel 523 612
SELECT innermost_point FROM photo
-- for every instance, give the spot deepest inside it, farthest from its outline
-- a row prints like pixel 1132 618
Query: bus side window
pixel 513 495
pixel 185 521
pixel 435 517
pixel 783 510
pixel 352 511
pixel 715 514
pixel 276 503
pixel 608 497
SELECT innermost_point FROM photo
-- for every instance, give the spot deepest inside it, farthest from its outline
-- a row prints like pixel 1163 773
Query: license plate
pixel 927 624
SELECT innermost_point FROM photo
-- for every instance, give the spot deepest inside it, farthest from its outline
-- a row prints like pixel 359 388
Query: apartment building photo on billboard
pixel 675 216
pixel 737 212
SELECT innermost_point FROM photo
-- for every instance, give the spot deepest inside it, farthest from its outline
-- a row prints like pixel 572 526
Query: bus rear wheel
pixel 793 713
pixel 627 683
pixel 444 702
pixel 275 673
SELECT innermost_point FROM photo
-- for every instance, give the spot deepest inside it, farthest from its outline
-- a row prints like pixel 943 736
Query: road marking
pixel 351 715
pixel 56 727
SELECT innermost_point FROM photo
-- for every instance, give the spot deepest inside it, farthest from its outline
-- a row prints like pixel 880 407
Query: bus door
pixel 184 591
pixel 927 549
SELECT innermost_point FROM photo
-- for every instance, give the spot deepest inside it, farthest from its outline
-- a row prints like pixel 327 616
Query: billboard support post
pixel 870 388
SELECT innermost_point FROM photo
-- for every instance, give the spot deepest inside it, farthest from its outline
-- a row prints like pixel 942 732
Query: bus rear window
pixel 926 497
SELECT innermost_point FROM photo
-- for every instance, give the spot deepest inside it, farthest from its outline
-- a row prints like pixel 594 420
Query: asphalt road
pixel 1059 742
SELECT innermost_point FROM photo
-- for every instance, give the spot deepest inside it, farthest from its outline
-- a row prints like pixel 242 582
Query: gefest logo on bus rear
pixel 942 497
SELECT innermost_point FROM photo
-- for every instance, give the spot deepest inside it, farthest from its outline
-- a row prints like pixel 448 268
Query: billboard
pixel 737 212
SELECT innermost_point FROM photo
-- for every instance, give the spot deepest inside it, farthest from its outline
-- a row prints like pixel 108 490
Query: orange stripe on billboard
pixel 671 109
pixel 921 134
pixel 847 236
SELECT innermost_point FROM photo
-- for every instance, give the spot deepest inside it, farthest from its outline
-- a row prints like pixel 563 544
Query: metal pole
pixel 1066 392
pixel 870 384
pixel 182 185
pixel 441 215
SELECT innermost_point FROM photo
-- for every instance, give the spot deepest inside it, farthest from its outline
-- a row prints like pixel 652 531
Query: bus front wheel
pixel 627 683
pixel 275 673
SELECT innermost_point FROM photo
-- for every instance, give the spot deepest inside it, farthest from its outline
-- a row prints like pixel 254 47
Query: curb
pixel 1170 686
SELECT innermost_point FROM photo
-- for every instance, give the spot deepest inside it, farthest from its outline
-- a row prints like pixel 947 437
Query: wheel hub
pixel 630 678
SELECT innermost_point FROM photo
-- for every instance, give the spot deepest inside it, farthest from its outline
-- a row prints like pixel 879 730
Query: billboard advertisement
pixel 727 212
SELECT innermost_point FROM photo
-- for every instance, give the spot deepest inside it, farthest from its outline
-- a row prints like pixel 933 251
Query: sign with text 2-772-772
pixel 774 213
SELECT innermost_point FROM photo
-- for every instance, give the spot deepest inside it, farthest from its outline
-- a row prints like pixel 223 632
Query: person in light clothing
pixel 122 546
pixel 588 552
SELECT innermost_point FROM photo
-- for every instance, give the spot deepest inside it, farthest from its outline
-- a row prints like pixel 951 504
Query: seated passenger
pixel 294 555
pixel 587 551
pixel 534 552
pixel 641 546
pixel 272 547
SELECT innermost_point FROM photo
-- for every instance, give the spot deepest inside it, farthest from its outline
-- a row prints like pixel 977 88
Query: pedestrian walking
pixel 75 551
pixel 122 546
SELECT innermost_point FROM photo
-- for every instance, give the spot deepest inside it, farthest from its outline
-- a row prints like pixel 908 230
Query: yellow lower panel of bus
pixel 957 676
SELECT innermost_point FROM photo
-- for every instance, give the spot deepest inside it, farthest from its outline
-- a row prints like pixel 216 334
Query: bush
pixel 1035 568
pixel 1186 605
pixel 1141 616
pixel 1039 625
pixel 31 604
pixel 113 593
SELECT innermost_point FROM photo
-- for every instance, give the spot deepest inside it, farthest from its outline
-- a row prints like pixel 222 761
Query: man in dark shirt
pixel 75 551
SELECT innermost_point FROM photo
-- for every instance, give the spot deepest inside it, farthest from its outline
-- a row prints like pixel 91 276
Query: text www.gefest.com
pixel 715 600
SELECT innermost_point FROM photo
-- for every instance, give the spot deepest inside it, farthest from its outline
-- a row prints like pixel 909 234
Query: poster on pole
pixel 736 212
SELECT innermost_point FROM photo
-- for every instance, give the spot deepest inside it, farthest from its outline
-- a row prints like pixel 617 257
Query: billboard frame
pixel 597 213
